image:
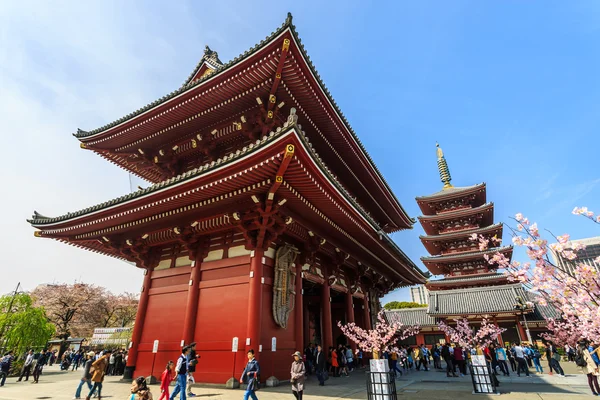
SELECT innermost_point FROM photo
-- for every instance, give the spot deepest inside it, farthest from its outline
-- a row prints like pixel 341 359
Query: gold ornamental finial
pixel 443 167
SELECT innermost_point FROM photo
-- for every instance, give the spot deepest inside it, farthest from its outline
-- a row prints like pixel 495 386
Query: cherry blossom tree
pixel 574 290
pixel 467 336
pixel 383 335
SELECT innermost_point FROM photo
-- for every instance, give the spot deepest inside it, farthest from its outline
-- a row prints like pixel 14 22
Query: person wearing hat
pixel 86 377
pixel 181 370
pixel 298 373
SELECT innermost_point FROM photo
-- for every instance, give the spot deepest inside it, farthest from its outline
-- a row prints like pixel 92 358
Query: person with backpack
pixel 5 364
pixel 251 376
pixel 536 356
pixel 86 377
pixel 181 370
pixel 584 360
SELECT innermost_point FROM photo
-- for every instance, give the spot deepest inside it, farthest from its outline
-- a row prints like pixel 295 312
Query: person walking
pixel 334 362
pixel 425 356
pixel 459 360
pixel 435 351
pixel 501 357
pixel 165 380
pixel 111 365
pixel 584 360
pixel 511 358
pixel 76 360
pixel 39 366
pixel 297 375
pixel 181 370
pixel 309 359
pixel 86 377
pixel 192 361
pixel 26 366
pixel 320 365
pixel 448 360
pixel 349 359
pixel 98 369
pixel 250 375
pixel 520 357
pixel 536 356
pixel 5 365
pixel 553 359
pixel 140 390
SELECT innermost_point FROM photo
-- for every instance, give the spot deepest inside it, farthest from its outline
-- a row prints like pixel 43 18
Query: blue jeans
pixel 249 394
pixel 538 366
pixel 97 385
pixel 78 391
pixel 180 387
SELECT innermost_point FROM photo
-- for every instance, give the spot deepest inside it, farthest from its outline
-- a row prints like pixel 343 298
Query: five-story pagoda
pixel 266 221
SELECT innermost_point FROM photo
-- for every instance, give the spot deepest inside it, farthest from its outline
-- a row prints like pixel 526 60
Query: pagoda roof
pixel 430 241
pixel 476 300
pixel 179 110
pixel 452 192
pixel 489 278
pixel 438 264
pixel 429 221
pixel 209 59
pixel 411 316
pixel 304 186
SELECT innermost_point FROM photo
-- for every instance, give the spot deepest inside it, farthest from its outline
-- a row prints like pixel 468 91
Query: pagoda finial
pixel 443 167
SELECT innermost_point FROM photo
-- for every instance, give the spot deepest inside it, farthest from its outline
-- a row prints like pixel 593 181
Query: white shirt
pixel 29 360
pixel 519 352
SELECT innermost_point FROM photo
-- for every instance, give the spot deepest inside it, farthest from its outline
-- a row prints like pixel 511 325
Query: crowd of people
pixel 338 361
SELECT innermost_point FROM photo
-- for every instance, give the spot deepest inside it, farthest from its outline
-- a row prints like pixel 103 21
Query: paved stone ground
pixel 58 385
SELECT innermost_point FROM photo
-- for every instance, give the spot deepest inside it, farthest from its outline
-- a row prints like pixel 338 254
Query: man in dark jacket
pixel 41 361
pixel 192 361
pixel 5 364
pixel 320 365
pixel 448 359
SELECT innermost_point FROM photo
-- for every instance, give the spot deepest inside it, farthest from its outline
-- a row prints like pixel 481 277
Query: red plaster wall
pixel 164 322
pixel 222 315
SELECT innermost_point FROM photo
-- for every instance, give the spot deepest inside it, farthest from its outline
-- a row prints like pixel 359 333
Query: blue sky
pixel 510 89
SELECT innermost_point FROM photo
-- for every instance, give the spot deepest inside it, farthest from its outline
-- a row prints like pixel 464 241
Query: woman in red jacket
pixel 165 380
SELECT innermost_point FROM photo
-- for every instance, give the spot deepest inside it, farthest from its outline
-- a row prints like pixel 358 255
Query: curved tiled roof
pixel 411 316
pixel 480 300
pixel 459 256
pixel 457 213
pixel 467 278
pixel 451 191
pixel 81 134
pixel 448 235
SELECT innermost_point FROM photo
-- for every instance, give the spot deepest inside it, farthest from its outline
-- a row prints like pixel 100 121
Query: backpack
pixel 580 360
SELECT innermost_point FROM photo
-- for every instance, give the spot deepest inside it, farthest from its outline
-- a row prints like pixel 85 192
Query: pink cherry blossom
pixel 574 291
pixel 383 335
pixel 467 337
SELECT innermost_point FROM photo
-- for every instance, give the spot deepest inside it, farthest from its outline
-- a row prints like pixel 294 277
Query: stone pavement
pixel 58 385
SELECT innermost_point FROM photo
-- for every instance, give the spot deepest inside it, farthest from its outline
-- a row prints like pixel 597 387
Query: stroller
pixel 64 365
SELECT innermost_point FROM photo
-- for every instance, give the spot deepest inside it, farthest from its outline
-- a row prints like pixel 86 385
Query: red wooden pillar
pixel 139 325
pixel 367 312
pixel 255 303
pixel 299 313
pixel 326 304
pixel 189 323
pixel 522 333
pixel 350 315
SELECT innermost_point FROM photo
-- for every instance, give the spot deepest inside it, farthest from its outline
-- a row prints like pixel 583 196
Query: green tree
pixel 395 305
pixel 23 326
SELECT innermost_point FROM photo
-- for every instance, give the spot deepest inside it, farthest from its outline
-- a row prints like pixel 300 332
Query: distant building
pixel 587 256
pixel 110 337
pixel 419 294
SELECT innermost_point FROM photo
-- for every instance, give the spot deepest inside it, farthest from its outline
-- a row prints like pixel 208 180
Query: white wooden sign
pixel 274 344
pixel 155 347
pixel 235 344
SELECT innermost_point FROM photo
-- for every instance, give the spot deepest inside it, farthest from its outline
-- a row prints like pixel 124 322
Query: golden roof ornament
pixel 443 167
